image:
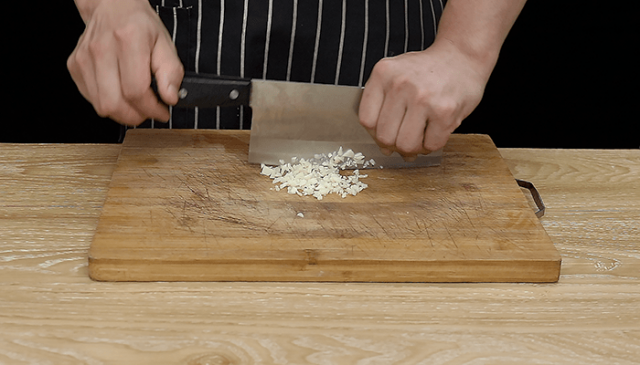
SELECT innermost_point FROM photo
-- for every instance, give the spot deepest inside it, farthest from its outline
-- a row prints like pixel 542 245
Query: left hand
pixel 413 102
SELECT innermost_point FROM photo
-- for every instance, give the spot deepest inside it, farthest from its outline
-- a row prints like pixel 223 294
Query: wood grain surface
pixel 52 313
pixel 187 206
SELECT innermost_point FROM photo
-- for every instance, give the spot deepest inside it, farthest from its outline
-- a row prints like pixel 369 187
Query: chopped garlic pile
pixel 320 175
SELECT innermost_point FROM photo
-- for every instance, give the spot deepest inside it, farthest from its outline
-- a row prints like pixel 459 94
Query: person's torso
pixel 329 42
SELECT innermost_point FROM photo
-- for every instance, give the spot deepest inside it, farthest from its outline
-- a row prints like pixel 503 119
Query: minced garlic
pixel 320 175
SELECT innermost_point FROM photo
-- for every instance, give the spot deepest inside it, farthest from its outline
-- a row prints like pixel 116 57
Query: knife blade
pixel 292 119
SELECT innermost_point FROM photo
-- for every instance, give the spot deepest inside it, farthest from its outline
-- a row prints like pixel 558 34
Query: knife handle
pixel 210 91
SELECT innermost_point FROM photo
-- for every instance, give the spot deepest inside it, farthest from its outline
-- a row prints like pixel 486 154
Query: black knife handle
pixel 210 91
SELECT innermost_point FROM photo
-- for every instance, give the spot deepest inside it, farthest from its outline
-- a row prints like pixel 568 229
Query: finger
pixel 134 62
pixel 390 119
pixel 411 134
pixel 370 104
pixel 75 70
pixel 384 150
pixel 436 135
pixel 167 68
pixel 110 101
pixel 81 69
pixel 106 79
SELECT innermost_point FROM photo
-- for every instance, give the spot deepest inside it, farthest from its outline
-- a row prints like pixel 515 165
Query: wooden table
pixel 52 313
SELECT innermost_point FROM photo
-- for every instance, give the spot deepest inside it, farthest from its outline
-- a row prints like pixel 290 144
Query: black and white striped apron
pixel 316 41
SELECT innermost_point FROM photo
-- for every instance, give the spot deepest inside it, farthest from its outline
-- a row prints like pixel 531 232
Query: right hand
pixel 123 45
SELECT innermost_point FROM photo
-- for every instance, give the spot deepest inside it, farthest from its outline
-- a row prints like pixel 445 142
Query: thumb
pixel 167 69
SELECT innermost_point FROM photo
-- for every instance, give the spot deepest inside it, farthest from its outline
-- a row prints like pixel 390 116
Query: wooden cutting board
pixel 184 205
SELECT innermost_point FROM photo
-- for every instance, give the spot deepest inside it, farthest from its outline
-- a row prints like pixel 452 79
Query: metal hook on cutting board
pixel 535 194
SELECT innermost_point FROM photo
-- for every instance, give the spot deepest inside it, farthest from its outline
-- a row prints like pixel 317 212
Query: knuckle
pixel 445 109
pixel 368 123
pixel 107 107
pixel 100 111
pixel 422 99
pixel 433 145
pixel 134 91
pixel 407 148
pixel 103 108
pixel 436 143
pixel 174 72
pixel 382 67
pixel 385 139
pixel 78 60
pixel 126 33
pixel 98 48
pixel 178 69
pixel 401 83
pixel 128 117
pixel 71 63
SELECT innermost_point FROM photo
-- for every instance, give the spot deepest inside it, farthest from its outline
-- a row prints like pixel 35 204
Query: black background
pixel 566 78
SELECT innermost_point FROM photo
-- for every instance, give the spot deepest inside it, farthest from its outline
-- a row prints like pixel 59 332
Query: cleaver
pixel 292 119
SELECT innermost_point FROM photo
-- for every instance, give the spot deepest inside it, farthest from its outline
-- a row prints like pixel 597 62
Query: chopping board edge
pixel 470 271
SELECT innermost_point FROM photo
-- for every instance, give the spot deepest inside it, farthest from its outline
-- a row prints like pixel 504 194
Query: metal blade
pixel 300 120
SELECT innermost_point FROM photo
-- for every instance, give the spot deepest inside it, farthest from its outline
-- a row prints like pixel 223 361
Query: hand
pixel 413 102
pixel 123 44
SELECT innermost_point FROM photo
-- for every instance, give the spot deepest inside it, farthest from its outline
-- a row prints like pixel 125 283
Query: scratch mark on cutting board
pixel 453 241
pixel 149 174
pixel 273 223
pixel 423 227
pixel 429 237
pixel 384 229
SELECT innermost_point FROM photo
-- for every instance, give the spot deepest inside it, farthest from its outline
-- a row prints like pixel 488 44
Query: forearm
pixel 478 28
